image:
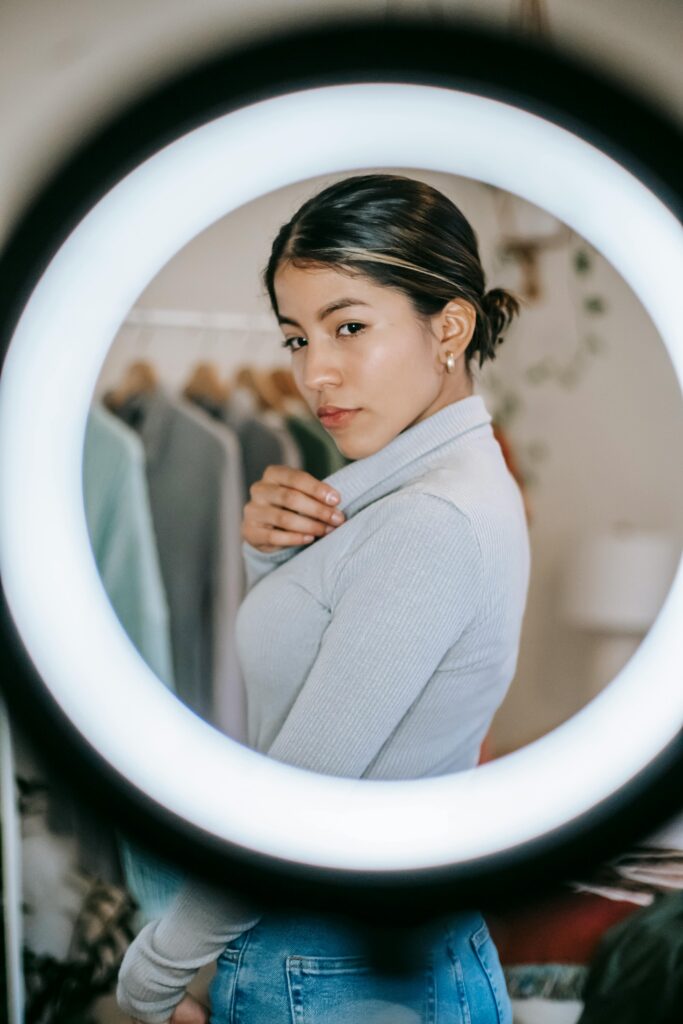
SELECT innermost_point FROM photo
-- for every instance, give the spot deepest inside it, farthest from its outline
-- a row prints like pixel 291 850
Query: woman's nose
pixel 321 368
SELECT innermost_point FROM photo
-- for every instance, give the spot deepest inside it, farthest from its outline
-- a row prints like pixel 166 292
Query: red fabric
pixel 564 929
pixel 486 750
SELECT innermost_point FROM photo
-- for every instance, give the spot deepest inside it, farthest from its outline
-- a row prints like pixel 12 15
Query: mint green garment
pixel 122 535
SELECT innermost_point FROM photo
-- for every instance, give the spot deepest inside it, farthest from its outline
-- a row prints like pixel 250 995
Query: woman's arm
pixel 259 563
pixel 402 598
pixel 167 953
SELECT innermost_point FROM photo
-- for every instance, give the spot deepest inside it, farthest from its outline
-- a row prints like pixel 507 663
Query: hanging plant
pixel 508 402
pixel 569 373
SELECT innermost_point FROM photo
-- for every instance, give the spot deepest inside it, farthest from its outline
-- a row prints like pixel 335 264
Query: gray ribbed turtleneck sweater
pixel 380 651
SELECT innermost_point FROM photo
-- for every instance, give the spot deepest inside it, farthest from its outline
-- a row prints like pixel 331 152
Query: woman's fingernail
pixel 331 499
pixel 308 537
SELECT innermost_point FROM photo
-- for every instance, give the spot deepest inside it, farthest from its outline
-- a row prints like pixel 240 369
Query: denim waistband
pixel 336 935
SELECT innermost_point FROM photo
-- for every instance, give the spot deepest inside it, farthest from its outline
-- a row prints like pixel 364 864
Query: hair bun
pixel 500 306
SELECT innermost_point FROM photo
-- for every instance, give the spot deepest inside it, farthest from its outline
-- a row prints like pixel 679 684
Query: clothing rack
pixel 147 316
pixel 176 339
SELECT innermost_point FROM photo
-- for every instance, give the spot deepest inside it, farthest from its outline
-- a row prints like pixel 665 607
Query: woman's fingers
pixel 289 507
pixel 270 539
pixel 190 1011
pixel 297 490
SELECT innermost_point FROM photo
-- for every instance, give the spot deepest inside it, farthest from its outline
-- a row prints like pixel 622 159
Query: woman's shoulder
pixel 409 538
pixel 482 490
pixel 413 516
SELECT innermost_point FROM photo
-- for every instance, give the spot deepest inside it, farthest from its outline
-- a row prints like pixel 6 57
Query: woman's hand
pixel 188 1011
pixel 288 507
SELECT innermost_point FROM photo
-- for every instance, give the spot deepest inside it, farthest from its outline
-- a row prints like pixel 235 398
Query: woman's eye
pixel 290 342
pixel 352 323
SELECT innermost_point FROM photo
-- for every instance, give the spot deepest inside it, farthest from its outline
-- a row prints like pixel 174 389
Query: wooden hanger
pixel 283 380
pixel 291 399
pixel 205 383
pixel 139 378
pixel 258 382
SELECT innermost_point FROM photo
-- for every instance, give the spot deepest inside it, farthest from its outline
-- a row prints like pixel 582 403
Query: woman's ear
pixel 457 323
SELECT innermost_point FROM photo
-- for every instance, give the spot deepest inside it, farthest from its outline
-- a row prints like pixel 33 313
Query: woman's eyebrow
pixel 326 310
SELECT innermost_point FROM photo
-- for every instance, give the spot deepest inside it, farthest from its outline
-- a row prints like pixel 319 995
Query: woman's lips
pixel 338 419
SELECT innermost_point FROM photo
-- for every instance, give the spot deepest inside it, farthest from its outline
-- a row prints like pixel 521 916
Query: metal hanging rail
pixel 149 317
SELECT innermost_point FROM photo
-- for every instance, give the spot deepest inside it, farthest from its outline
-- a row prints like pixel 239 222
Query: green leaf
pixel 594 304
pixel 582 262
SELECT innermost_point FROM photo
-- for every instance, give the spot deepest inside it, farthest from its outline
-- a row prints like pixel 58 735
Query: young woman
pixel 380 629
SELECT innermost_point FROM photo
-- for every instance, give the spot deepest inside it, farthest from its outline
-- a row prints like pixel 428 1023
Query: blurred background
pixel 583 397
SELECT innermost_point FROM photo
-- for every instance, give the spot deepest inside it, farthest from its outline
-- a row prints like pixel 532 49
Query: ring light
pixel 124 216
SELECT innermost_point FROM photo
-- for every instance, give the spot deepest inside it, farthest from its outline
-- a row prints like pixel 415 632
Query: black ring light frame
pixel 459 55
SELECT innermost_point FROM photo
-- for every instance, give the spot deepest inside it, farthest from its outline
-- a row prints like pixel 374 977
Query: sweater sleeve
pixel 401 599
pixel 166 954
pixel 259 563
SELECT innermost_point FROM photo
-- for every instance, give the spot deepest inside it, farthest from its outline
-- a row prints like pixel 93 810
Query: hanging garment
pixel 291 453
pixel 194 473
pixel 229 697
pixel 123 543
pixel 317 455
pixel 122 534
pixel 209 405
pixel 264 439
pixel 335 459
pixel 309 431
pixel 390 643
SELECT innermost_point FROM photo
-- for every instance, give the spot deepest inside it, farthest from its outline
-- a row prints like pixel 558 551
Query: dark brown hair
pixel 401 233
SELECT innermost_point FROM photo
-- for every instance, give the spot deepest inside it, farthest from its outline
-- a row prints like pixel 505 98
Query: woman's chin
pixel 355 450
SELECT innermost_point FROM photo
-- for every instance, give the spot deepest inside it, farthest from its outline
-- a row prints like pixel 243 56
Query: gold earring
pixel 450 362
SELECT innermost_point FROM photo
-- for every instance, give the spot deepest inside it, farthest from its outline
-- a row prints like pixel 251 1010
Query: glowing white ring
pixel 52 586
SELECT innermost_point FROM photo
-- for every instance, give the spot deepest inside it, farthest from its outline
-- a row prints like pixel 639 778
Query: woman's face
pixel 371 354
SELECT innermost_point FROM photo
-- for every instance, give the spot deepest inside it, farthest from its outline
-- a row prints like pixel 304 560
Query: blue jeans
pixel 311 969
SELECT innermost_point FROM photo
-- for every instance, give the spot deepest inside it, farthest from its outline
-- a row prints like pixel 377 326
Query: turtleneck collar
pixel 409 454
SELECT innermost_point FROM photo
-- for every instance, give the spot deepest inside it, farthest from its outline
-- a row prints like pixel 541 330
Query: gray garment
pixel 263 437
pixel 195 482
pixel 291 455
pixel 390 643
